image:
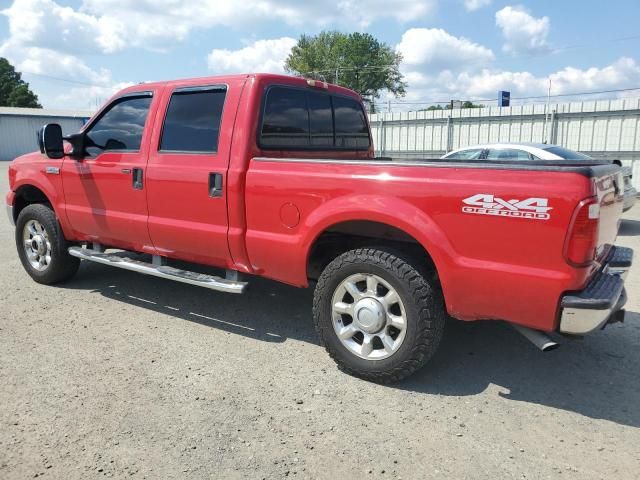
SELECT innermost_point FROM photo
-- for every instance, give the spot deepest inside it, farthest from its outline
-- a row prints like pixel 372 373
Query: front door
pixel 105 191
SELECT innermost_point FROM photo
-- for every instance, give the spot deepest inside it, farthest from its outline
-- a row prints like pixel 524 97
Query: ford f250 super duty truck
pixel 275 176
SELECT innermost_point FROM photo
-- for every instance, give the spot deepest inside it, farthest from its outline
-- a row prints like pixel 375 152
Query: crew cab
pixel 275 176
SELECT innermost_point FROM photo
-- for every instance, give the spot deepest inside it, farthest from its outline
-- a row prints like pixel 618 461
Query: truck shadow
pixel 595 377
pixel 267 311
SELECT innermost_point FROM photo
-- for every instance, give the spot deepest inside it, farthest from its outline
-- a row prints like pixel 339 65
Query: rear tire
pixel 377 316
pixel 42 247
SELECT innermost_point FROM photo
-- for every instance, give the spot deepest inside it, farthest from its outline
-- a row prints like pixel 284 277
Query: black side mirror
pixel 50 140
pixel 78 142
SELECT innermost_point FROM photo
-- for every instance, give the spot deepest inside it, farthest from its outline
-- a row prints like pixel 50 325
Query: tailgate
pixel 610 192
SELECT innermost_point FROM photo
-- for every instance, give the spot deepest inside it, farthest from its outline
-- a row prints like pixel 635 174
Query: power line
pixel 67 80
pixel 600 92
pixel 599 44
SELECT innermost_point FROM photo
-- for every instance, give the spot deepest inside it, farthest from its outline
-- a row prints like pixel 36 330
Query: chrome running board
pixel 163 271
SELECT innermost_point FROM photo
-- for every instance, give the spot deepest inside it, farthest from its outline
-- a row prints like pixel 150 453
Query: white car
pixel 535 151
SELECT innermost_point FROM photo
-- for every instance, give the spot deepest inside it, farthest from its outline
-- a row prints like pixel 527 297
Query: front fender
pixel 34 173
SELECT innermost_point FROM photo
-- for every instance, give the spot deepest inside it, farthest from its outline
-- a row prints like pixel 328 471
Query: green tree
pixel 356 60
pixel 469 104
pixel 15 92
pixel 466 104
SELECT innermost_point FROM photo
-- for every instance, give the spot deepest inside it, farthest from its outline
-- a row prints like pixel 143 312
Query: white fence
pixel 600 128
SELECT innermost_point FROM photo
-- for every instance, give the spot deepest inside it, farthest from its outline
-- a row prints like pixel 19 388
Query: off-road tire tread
pixel 428 300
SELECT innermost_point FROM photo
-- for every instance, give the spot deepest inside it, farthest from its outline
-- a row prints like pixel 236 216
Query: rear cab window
pixel 296 118
pixel 567 154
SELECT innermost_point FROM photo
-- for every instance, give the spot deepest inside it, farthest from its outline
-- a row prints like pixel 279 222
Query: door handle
pixel 215 184
pixel 137 178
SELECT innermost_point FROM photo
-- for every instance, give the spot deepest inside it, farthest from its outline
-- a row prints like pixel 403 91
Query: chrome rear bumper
pixel 592 308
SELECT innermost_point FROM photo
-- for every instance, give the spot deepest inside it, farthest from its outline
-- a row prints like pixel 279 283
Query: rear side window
pixel 351 125
pixel 301 119
pixel 192 122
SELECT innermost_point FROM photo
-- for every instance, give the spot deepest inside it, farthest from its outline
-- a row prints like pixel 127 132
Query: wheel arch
pixel 387 221
pixel 29 194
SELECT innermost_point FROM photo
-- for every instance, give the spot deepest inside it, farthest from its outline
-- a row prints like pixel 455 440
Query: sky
pixel 76 53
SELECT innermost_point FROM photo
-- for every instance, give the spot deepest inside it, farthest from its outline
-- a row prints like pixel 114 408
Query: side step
pixel 163 271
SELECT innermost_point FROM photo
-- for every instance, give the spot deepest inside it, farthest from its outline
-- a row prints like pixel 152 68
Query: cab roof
pixel 268 77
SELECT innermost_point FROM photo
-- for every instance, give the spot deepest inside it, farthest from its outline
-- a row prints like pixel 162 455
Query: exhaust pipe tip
pixel 550 345
pixel 538 338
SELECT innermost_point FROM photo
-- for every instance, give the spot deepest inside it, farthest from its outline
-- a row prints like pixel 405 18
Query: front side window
pixel 120 128
pixel 295 118
pixel 507 154
pixel 192 122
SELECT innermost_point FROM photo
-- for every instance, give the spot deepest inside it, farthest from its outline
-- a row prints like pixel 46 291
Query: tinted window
pixel 320 119
pixel 286 119
pixel 192 122
pixel 120 128
pixel 470 154
pixel 507 154
pixel 296 118
pixel 351 125
pixel 567 154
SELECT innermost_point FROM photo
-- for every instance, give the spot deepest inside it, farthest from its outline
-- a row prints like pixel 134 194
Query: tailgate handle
pixel 215 184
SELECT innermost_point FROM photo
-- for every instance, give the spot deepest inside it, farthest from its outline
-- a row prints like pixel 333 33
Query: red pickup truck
pixel 275 176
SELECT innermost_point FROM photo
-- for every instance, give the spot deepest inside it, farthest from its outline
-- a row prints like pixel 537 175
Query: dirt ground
pixel 119 375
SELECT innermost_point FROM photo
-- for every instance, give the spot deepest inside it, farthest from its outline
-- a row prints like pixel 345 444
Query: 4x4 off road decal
pixel 487 204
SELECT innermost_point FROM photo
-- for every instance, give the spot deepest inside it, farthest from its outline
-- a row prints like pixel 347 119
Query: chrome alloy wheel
pixel 37 245
pixel 368 316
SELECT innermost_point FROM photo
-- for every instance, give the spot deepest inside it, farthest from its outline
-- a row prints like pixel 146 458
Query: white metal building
pixel 18 127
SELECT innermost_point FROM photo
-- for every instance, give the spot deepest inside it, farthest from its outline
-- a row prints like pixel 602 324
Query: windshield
pixel 567 154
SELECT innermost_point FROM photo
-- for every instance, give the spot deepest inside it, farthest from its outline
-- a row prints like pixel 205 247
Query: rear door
pixel 187 173
pixel 105 191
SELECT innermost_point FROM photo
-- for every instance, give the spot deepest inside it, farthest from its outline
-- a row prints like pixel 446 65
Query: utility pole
pixel 389 106
pixel 336 82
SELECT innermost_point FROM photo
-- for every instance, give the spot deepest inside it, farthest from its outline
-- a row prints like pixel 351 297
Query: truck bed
pixel 489 266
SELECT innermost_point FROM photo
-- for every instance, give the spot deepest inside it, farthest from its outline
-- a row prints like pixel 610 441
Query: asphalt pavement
pixel 115 374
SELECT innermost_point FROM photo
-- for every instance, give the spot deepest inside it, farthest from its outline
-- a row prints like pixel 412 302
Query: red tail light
pixel 582 240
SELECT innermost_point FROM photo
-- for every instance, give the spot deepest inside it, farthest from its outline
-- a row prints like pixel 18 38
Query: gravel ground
pixel 119 375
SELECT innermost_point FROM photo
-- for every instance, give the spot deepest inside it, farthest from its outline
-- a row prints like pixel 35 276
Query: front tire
pixel 378 317
pixel 42 247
